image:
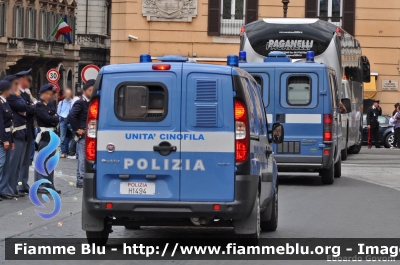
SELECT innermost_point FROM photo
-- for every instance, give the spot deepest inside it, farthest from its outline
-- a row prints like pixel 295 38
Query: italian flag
pixel 61 29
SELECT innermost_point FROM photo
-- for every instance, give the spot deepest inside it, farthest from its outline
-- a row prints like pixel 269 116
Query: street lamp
pixel 285 7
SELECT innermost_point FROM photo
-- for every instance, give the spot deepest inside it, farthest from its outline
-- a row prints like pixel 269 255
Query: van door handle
pixel 164 148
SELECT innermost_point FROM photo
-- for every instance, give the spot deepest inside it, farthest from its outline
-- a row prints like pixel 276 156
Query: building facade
pixel 26 42
pixel 208 30
pixel 93 31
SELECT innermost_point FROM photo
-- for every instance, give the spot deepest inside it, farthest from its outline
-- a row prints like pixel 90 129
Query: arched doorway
pixel 69 79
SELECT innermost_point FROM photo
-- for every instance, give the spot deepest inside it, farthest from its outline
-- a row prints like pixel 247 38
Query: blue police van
pixel 304 97
pixel 178 143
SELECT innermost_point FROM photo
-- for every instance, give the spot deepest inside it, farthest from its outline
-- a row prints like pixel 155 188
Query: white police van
pixel 304 97
pixel 173 143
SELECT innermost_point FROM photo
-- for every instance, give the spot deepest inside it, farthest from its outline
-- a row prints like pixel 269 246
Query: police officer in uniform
pixel 25 81
pixel 47 120
pixel 373 124
pixel 77 118
pixel 18 106
pixel 6 139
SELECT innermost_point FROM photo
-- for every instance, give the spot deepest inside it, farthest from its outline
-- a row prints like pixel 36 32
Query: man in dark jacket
pixel 25 80
pixel 18 106
pixel 373 124
pixel 77 118
pixel 47 120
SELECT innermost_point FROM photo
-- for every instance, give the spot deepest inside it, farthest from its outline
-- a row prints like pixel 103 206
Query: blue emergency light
pixel 242 57
pixel 233 60
pixel 145 58
pixel 172 59
pixel 276 56
pixel 310 57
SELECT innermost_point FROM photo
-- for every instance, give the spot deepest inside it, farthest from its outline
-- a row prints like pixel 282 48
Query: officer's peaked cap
pixel 4 85
pixel 10 78
pixel 47 87
pixel 376 100
pixel 88 84
pixel 24 73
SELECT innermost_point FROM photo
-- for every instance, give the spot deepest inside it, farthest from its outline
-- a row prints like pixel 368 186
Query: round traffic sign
pixel 89 72
pixel 57 88
pixel 53 75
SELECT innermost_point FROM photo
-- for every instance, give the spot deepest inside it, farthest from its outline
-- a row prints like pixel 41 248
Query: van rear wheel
pixel 327 174
pixel 99 237
pixel 272 223
pixel 338 168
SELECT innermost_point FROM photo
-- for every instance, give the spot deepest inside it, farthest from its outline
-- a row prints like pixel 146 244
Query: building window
pixel 44 31
pixel 3 13
pixel 18 22
pixel 71 22
pixel 232 16
pixel 331 10
pixel 226 17
pixel 108 18
pixel 31 23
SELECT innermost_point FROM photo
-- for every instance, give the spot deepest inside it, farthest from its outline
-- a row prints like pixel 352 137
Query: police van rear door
pixel 138 146
pixel 208 139
pixel 300 110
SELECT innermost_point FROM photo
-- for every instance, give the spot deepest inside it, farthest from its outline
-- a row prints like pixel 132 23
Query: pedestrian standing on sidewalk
pixel 18 106
pixel 373 124
pixel 63 109
pixel 77 119
pixel 6 139
pixel 25 82
pixel 72 149
pixel 397 127
pixel 47 120
pixel 391 122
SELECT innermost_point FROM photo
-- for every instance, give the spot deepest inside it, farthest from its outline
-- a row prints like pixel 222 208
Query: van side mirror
pixel 347 104
pixel 278 133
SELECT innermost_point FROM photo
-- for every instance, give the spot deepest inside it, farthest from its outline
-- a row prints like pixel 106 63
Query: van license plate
pixel 137 188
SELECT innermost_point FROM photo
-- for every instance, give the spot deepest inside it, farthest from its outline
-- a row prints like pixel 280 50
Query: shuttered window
pixel 19 22
pixel 226 17
pixel 44 32
pixel 349 18
pixel 311 8
pixel 338 12
pixel 214 11
pixel 31 23
pixel 3 14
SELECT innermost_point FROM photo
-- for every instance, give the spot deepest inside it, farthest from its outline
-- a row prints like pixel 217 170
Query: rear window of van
pixel 299 91
pixel 141 101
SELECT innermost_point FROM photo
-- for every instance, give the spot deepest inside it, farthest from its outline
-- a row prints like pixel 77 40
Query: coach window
pixel 141 101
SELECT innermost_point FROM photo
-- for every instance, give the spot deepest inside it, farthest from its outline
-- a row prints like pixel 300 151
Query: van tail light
pixel 328 119
pixel 241 132
pixel 91 129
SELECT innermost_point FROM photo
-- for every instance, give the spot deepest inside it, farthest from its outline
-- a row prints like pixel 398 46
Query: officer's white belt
pixel 9 129
pixel 42 130
pixel 18 128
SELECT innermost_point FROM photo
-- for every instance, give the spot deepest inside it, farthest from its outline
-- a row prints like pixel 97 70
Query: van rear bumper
pixel 245 194
pixel 296 162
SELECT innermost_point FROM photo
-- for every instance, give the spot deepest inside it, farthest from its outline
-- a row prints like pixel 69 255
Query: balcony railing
pixel 93 41
pixel 24 45
pixel 231 26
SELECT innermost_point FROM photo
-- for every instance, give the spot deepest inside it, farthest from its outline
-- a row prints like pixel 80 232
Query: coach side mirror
pixel 347 104
pixel 278 133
